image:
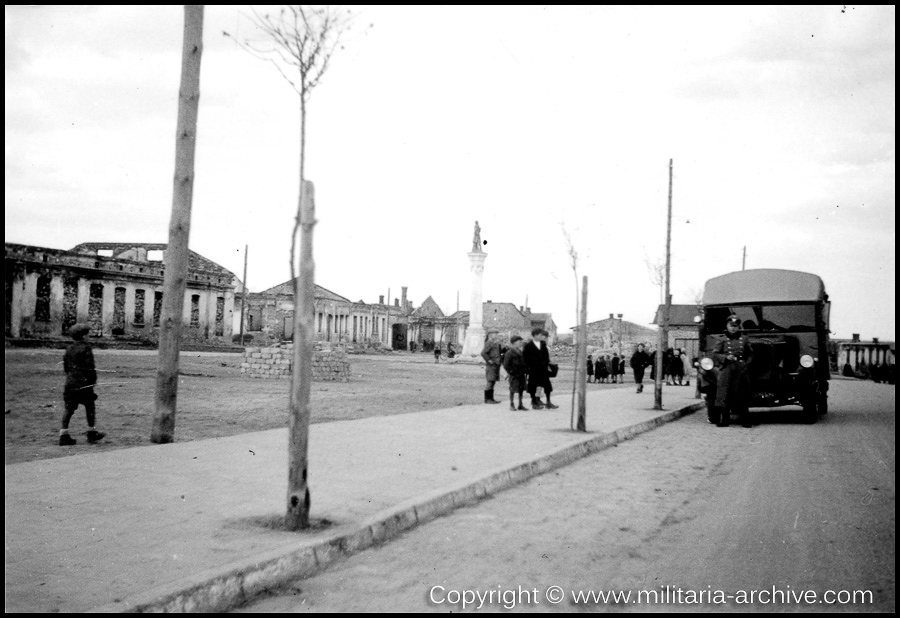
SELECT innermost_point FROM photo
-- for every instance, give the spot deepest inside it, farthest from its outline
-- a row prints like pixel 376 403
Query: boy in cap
pixel 81 376
pixel 514 363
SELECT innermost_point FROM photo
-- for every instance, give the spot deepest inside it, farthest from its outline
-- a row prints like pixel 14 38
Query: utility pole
pixel 664 331
pixel 177 251
pixel 581 370
pixel 244 293
pixel 620 334
pixel 744 260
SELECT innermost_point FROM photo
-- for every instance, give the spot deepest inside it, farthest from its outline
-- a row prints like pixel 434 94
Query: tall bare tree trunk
pixel 582 352
pixel 177 252
pixel 580 336
pixel 297 516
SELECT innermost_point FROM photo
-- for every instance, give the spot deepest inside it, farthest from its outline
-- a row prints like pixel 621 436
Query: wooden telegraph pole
pixel 177 252
pixel 664 331
pixel 298 501
pixel 581 370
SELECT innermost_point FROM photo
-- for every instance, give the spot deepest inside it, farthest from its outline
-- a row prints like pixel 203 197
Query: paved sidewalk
pixel 193 526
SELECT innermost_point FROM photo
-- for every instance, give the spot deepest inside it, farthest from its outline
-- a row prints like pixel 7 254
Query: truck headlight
pixel 706 364
pixel 807 361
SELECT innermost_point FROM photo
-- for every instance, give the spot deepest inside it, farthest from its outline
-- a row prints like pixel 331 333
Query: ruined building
pixel 270 317
pixel 115 288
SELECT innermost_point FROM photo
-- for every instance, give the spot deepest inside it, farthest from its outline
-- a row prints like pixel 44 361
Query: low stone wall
pixel 329 365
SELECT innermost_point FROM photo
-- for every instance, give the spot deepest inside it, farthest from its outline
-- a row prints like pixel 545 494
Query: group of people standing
pixel 527 365
pixel 605 370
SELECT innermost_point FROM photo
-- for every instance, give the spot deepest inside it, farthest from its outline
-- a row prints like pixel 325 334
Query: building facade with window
pixel 115 288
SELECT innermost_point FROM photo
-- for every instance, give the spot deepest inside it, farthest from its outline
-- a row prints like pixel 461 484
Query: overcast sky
pixel 780 122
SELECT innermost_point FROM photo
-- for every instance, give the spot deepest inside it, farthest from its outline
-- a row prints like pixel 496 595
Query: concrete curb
pixel 226 587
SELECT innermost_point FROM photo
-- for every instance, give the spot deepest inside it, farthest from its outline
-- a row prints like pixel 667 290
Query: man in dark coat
pixel 492 359
pixel 731 355
pixel 614 370
pixel 639 361
pixel 537 361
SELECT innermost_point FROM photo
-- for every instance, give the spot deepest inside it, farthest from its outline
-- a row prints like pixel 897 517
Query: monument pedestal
pixel 474 342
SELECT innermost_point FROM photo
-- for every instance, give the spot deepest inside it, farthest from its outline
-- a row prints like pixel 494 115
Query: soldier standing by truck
pixel 731 356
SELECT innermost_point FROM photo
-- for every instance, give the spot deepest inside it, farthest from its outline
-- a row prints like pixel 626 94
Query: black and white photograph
pixel 379 308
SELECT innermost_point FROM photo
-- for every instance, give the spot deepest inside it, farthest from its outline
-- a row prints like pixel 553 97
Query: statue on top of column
pixel 476 241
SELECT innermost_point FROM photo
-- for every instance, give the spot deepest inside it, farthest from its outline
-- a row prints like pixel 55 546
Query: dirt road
pixel 688 507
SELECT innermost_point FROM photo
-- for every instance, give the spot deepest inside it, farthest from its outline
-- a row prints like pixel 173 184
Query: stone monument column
pixel 474 342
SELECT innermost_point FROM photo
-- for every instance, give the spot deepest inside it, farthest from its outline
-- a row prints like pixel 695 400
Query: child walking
pixel 81 376
pixel 514 364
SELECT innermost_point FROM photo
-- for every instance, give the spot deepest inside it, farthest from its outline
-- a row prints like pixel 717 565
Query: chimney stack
pixel 381 299
pixel 403 297
pixel 396 302
pixel 855 337
pixel 875 340
pixel 611 316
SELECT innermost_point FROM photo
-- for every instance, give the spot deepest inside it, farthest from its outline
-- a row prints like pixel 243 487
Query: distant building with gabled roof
pixel 432 326
pixel 684 331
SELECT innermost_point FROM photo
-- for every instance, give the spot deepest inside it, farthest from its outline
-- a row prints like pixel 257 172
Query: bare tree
pixel 573 262
pixel 657 271
pixel 300 42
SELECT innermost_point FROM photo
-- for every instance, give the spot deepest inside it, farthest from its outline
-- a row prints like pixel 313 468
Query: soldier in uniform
pixel 731 356
pixel 492 359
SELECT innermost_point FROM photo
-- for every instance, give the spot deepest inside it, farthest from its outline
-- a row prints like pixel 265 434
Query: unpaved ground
pixel 783 506
pixel 598 524
pixel 213 399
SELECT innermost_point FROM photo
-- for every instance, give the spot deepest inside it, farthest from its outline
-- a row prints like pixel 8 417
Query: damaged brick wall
pixel 275 363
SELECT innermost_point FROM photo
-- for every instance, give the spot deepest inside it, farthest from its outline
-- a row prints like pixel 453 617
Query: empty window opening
pixel 157 307
pixel 118 326
pixel 220 316
pixel 139 307
pixel 95 309
pixel 195 310
pixel 70 304
pixel 42 305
